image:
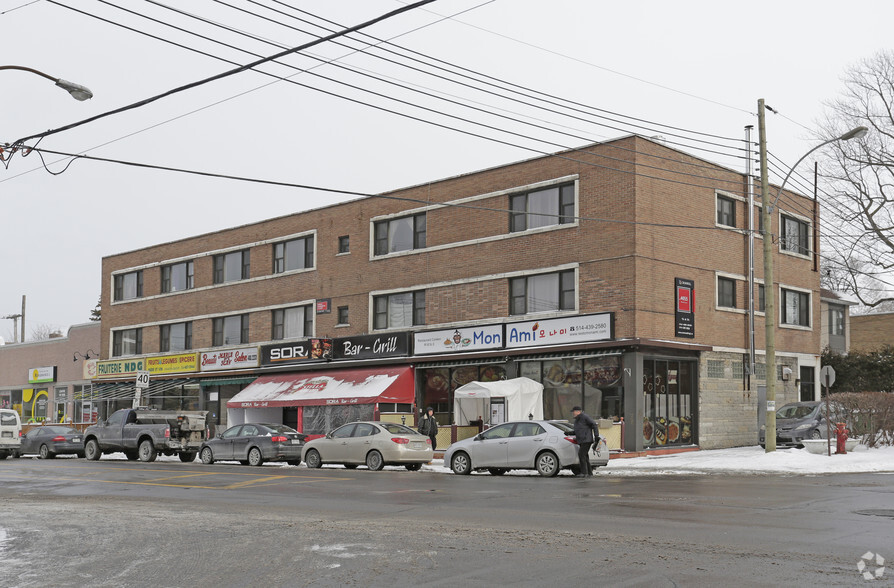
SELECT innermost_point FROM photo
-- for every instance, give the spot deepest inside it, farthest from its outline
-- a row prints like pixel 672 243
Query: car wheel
pixel 374 460
pixel 815 434
pixel 496 471
pixel 91 450
pixel 547 464
pixel 254 457
pixel 350 466
pixel 147 451
pixel 461 464
pixel 207 456
pixel 413 467
pixel 187 456
pixel 312 459
pixel 45 453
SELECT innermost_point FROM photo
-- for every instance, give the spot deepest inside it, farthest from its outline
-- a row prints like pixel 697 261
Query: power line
pixel 225 74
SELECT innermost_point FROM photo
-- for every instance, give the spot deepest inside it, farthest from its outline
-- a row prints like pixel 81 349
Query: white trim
pixel 728 276
pixel 781 305
pixel 489 278
pixel 498 237
pixel 797 217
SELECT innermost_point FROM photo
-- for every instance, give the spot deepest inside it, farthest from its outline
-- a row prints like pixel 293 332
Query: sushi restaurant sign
pixel 460 339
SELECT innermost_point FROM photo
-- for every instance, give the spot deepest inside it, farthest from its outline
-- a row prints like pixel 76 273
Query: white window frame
pixel 735 277
pixel 781 307
pixel 809 229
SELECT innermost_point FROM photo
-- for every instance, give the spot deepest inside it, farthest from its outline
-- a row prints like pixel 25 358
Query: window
pixel 177 277
pixel 542 293
pixel 726 211
pixel 761 300
pixel 176 337
pixel 344 244
pixel 231 267
pixel 400 234
pixel 129 286
pixel 293 255
pixel 127 342
pixel 393 311
pixel 836 319
pixel 716 368
pixel 230 330
pixel 795 308
pixel 794 236
pixel 726 292
pixel 542 208
pixel 291 323
pixel 343 315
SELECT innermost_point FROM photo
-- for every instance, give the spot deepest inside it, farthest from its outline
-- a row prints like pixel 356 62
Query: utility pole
pixel 769 305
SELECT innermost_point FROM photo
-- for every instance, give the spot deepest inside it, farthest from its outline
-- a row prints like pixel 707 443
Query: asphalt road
pixel 70 522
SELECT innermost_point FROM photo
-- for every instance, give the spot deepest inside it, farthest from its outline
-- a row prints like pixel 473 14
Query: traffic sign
pixel 142 379
pixel 827 376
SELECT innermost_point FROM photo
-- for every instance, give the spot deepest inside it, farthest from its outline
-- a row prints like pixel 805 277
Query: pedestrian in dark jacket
pixel 586 432
pixel 428 425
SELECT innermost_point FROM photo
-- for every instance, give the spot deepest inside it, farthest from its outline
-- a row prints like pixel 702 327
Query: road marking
pixel 252 482
pixel 182 476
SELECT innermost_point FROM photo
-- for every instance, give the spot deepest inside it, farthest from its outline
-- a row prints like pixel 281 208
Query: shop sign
pixel 296 352
pixel 684 317
pixel 88 369
pixel 119 367
pixel 42 374
pixel 229 359
pixel 461 339
pixel 372 346
pixel 172 364
pixel 324 306
pixel 572 329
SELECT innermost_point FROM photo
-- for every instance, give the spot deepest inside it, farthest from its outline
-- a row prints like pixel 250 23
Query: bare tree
pixel 44 331
pixel 858 236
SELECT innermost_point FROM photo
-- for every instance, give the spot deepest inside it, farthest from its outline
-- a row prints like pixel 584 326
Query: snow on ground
pixel 739 460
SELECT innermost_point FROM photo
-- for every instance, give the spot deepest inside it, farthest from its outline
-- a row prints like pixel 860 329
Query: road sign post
pixel 827 378
pixel 141 382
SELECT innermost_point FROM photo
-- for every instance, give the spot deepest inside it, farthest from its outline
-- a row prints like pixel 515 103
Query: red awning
pixel 329 387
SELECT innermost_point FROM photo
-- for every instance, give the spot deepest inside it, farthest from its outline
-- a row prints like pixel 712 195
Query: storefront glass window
pixel 667 400
pixel 319 420
pixel 438 385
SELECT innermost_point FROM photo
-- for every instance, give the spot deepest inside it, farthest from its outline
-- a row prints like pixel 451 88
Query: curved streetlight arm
pixel 77 91
pixel 855 133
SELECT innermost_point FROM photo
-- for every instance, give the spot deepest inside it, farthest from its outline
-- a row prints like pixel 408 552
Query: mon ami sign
pixel 572 329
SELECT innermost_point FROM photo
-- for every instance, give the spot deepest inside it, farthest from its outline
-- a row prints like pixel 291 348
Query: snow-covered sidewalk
pixel 740 460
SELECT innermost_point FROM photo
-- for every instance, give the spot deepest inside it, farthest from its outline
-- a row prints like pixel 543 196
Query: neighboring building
pixel 870 332
pixel 615 274
pixel 42 379
pixel 835 333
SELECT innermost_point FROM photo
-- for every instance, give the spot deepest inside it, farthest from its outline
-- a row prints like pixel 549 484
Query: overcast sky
pixel 689 71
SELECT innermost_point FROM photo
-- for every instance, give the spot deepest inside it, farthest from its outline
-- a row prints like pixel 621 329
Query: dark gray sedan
pixel 51 440
pixel 255 443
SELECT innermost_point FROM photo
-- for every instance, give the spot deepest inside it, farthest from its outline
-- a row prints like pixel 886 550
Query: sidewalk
pixel 740 460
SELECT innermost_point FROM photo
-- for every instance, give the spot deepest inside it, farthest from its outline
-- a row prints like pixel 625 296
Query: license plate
pixel 7 433
pixel 417 445
pixel 75 439
pixel 296 441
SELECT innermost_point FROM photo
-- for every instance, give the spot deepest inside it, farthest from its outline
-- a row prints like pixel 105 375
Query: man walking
pixel 429 426
pixel 585 433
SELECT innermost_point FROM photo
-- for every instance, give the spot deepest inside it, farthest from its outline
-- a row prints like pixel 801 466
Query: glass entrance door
pixel 668 411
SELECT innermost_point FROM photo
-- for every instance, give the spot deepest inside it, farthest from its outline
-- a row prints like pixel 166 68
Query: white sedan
pixel 545 446
pixel 373 443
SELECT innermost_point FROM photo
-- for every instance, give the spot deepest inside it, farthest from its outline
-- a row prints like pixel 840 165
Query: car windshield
pixel 281 429
pixel 562 426
pixel 396 429
pixel 795 411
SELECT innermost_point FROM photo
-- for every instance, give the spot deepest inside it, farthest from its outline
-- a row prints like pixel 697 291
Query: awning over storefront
pixel 122 390
pixel 331 387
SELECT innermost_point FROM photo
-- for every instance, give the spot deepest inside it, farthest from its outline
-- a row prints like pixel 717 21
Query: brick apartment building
pixel 615 274
pixel 871 332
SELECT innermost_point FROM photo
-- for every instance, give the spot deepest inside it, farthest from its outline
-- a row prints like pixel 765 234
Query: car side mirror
pixel 479 437
pixel 329 435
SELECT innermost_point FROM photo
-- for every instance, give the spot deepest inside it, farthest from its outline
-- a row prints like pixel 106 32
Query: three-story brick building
pixel 616 274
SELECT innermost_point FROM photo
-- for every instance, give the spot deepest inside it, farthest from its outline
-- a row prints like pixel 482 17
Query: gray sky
pixel 697 66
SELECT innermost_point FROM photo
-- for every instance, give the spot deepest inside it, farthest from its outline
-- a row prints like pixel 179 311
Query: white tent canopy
pixel 497 402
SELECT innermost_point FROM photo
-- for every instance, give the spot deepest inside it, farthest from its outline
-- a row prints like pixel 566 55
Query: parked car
pixel 373 443
pixel 49 441
pixel 10 432
pixel 545 446
pixel 253 444
pixel 797 421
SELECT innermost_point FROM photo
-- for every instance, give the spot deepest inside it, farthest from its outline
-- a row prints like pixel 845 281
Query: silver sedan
pixel 545 446
pixel 373 443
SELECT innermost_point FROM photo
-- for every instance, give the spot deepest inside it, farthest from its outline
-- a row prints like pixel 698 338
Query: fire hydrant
pixel 841 436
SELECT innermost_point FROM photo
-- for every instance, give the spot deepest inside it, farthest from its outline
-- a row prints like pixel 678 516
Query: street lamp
pixel 77 91
pixel 769 296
